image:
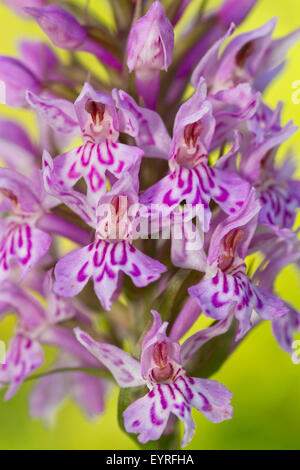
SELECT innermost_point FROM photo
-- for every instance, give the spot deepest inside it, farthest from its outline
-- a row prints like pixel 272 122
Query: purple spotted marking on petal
pixel 154 418
pixel 81 276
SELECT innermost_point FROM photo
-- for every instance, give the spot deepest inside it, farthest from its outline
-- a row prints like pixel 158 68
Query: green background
pixel 263 379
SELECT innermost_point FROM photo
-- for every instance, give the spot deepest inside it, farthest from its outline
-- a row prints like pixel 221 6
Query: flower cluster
pixel 163 173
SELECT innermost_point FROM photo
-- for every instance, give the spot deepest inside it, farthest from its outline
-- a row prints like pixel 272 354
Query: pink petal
pixel 211 398
pixel 25 244
pixel 196 341
pixel 145 125
pixel 76 201
pixel 125 369
pixel 58 113
pixel 148 416
pixel 23 357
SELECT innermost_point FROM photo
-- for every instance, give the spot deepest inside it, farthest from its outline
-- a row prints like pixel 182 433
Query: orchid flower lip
pixel 62 27
pixel 170 391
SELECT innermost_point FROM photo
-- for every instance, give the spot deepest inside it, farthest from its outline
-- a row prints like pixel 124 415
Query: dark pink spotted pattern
pixel 23 357
pixel 197 186
pixel 223 291
pixel 92 161
pixel 24 244
pixel 103 261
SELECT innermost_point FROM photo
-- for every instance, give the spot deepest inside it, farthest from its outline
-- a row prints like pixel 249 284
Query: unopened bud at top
pixel 151 41
pixel 62 28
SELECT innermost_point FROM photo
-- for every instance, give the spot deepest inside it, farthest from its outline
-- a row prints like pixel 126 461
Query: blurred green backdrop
pixel 263 379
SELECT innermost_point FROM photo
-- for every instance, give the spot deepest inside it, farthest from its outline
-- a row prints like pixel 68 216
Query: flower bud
pixel 151 41
pixel 149 50
pixel 61 27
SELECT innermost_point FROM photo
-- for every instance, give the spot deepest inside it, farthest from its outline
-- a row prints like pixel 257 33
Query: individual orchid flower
pixel 190 178
pixel 22 242
pixel 101 153
pixel 161 369
pixel 36 326
pixel 226 285
pixel 247 58
pixel 111 252
pixel 187 240
pixel 67 33
pixel 149 50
